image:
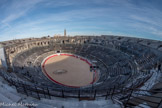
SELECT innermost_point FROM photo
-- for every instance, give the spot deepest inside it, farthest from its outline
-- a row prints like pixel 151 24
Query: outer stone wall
pixel 2 58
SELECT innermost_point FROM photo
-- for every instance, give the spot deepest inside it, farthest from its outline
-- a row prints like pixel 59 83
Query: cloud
pixel 58 3
pixel 143 19
pixel 17 9
pixel 39 17
pixel 156 31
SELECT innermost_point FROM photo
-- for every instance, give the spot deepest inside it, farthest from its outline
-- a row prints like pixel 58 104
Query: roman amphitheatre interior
pixel 108 70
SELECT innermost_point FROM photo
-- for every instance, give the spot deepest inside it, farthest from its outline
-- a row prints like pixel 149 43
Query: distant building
pixel 64 32
pixel 57 35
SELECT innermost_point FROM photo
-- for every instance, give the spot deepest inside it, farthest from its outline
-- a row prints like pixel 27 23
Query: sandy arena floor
pixel 68 70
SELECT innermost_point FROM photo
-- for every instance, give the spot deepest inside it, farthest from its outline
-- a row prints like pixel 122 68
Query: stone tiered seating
pixel 121 64
pixel 115 66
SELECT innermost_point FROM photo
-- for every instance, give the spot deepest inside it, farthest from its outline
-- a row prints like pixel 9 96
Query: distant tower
pixel 64 32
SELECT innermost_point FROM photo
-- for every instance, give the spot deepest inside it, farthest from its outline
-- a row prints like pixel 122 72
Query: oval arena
pixel 125 70
pixel 68 70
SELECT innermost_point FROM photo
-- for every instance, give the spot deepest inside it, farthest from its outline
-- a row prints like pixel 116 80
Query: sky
pixel 37 18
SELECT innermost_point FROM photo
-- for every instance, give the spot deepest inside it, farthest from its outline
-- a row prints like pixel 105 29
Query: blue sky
pixel 36 18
